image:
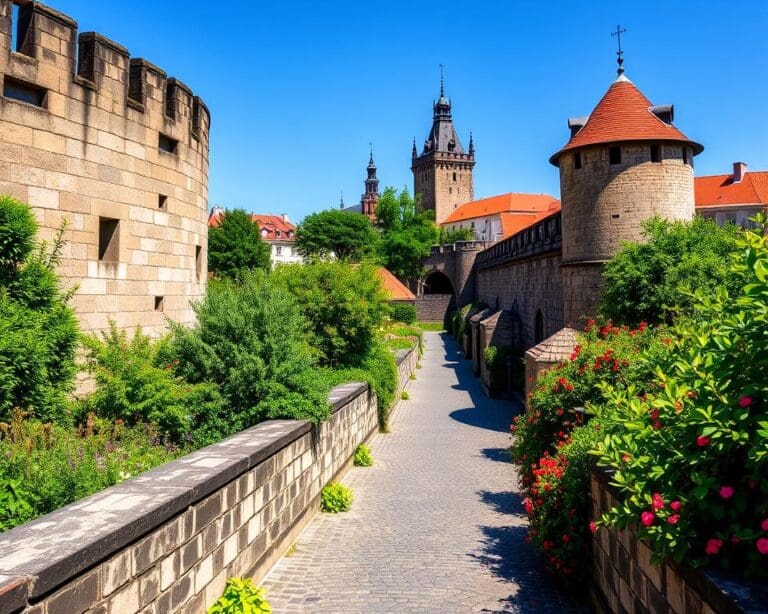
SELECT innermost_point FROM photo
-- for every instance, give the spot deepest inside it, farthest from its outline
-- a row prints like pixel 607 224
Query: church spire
pixel 471 145
pixel 620 53
pixel 414 151
pixel 341 203
pixel 370 198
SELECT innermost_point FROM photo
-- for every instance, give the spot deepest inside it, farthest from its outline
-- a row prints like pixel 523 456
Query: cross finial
pixel 442 84
pixel 620 53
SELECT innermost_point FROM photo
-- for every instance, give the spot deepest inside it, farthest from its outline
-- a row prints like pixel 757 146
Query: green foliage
pixel 235 246
pixel 241 597
pixel 404 312
pixel 336 498
pixel 350 236
pixel 38 330
pixel 436 327
pixel 654 280
pixel 400 343
pixel 691 454
pixel 250 341
pixel 344 305
pixel 45 466
pixel 132 385
pixel 404 396
pixel 363 456
pixel 496 358
pixel 448 237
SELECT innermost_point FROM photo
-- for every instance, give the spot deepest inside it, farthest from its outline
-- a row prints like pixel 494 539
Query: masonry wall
pixel 90 151
pixel 433 178
pixel 434 307
pixel 167 540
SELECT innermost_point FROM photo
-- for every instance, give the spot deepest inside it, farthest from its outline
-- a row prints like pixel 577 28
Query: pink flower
pixel 764 525
pixel 702 441
pixel 673 519
pixel 762 545
pixel 746 401
pixel 647 518
pixel 658 501
pixel 592 527
pixel 676 506
pixel 714 545
pixel 726 492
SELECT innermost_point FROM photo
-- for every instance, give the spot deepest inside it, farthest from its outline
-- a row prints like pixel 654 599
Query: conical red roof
pixel 623 114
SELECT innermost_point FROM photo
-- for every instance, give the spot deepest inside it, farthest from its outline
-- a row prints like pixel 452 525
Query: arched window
pixel 538 327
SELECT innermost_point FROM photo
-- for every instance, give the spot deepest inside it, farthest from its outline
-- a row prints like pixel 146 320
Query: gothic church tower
pixel 442 174
pixel 370 198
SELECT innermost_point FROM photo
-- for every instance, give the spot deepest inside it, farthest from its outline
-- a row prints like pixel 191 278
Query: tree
pixel 653 281
pixel 235 246
pixel 448 237
pixel 348 236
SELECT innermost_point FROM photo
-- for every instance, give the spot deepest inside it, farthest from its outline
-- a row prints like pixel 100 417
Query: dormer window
pixel 278 234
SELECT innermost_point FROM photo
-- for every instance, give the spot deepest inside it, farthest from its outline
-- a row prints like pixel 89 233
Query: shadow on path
pixel 499 455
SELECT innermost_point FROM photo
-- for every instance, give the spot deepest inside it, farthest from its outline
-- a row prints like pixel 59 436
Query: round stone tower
pixel 623 164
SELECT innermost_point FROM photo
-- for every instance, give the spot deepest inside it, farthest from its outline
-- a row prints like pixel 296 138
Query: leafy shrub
pixel 448 237
pixel 363 456
pixel 45 466
pixel 344 305
pixel 130 385
pixel 235 246
pixel 403 312
pixel 691 454
pixel 400 343
pixel 241 597
pixel 404 395
pixel 496 358
pixel 249 340
pixel 38 330
pixel 336 498
pixel 349 236
pixel 652 281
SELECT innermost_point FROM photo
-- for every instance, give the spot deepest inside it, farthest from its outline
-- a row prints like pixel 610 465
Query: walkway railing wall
pixel 167 540
pixel 544 236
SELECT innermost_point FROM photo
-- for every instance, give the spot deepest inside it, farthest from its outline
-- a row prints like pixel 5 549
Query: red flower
pixel 656 425
pixel 746 401
pixel 658 501
pixel 528 506
pixel 673 519
pixel 626 457
pixel 714 545
pixel 702 441
pixel 726 492
pixel 676 506
pixel 592 527
pixel 655 415
pixel 647 518
pixel 566 538
pixel 762 545
pixel 764 525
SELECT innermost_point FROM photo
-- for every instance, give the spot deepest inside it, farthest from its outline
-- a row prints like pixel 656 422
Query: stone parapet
pixel 540 238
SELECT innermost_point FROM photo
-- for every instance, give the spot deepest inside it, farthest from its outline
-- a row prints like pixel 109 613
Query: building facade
pixel 442 173
pixel 118 150
pixel 734 197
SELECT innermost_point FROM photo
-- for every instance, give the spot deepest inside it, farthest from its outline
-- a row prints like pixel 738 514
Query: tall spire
pixel 471 145
pixel 414 151
pixel 442 82
pixel 370 159
pixel 620 53
pixel 341 203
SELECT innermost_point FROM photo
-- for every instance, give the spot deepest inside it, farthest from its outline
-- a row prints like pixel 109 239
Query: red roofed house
pixel 397 290
pixel 276 230
pixel 498 217
pixel 735 197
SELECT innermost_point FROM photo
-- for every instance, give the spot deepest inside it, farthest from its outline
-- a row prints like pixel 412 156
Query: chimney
pixel 284 217
pixel 739 170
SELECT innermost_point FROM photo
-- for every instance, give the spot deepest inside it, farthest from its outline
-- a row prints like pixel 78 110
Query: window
pixel 577 160
pixel 162 202
pixel 655 153
pixel 538 327
pixel 24 92
pixel 450 190
pixel 21 17
pixel 278 233
pixel 167 144
pixel 278 250
pixel 198 262
pixel 686 160
pixel 109 239
pixel 454 176
pixel 614 155
pixel 159 303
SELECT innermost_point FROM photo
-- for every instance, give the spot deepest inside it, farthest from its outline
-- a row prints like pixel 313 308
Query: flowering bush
pixel 691 454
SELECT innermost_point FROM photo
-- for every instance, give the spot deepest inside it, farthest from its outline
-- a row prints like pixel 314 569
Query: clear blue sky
pixel 298 89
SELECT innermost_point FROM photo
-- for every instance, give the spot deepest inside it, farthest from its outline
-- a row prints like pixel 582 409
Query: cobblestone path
pixel 437 524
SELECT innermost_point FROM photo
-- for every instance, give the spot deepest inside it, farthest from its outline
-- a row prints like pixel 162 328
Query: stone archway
pixel 437 297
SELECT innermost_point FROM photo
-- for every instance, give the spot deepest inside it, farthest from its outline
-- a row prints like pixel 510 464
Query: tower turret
pixel 370 198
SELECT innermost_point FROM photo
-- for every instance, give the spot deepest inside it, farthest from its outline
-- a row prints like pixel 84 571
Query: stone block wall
pixel 434 307
pixel 167 540
pixel 111 145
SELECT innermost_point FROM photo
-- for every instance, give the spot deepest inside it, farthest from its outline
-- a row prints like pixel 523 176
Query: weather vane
pixel 620 53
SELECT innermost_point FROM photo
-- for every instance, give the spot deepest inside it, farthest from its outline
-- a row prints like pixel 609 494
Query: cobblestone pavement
pixel 437 523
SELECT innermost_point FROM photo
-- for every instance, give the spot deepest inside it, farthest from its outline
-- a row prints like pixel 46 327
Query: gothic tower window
pixel 538 327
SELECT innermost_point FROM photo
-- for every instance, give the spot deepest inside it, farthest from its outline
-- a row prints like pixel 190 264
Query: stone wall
pixel 118 150
pixel 167 540
pixel 434 307
pixel 444 181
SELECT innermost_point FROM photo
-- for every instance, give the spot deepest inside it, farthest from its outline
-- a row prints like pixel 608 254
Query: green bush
pixel 691 454
pixel 336 498
pixel 404 395
pixel 403 312
pixel 345 306
pixel 235 247
pixel 45 466
pixel 653 281
pixel 400 343
pixel 249 340
pixel 38 330
pixel 363 456
pixel 496 358
pixel 349 236
pixel 241 597
pixel 132 385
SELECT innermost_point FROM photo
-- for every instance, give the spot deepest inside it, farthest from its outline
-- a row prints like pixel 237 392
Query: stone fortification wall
pixel 434 307
pixel 113 146
pixel 167 540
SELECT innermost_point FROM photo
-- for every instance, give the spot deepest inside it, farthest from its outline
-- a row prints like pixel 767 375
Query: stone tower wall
pixel 89 149
pixel 604 204
pixel 433 178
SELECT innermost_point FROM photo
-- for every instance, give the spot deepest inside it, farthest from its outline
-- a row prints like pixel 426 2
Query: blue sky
pixel 298 89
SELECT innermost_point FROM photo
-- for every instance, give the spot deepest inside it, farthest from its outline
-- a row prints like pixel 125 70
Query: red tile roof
pixel 396 289
pixel 623 114
pixel 504 203
pixel 270 223
pixel 512 223
pixel 717 190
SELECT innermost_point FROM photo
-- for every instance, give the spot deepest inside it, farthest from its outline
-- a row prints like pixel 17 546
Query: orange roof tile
pixel 512 223
pixel 717 190
pixel 396 289
pixel 270 223
pixel 623 114
pixel 503 203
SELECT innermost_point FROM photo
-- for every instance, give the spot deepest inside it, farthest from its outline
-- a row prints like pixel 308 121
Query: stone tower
pixel 623 164
pixel 370 198
pixel 442 174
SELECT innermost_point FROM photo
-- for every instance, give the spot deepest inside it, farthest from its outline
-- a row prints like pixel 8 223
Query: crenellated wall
pixel 113 146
